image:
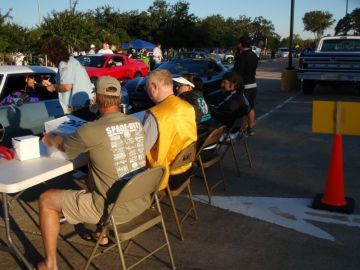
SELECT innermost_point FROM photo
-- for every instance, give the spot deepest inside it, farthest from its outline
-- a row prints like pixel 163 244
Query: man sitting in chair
pixel 170 126
pixel 234 104
pixel 115 146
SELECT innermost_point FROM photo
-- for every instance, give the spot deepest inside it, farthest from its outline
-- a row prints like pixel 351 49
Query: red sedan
pixel 118 66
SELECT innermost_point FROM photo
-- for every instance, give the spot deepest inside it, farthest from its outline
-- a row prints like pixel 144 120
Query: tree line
pixel 170 24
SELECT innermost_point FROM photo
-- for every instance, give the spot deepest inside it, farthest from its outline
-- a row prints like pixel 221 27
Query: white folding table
pixel 17 176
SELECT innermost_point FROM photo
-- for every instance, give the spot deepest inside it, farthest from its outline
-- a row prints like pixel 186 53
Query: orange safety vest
pixel 177 129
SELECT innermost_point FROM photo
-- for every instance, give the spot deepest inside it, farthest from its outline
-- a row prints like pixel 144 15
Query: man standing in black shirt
pixel 246 63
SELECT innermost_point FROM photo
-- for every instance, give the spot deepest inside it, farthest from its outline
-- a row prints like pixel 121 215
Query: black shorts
pixel 251 95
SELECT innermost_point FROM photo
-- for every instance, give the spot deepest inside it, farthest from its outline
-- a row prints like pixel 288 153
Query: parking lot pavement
pixel 262 220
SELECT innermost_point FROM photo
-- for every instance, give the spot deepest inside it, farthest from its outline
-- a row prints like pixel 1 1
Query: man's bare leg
pixel 49 206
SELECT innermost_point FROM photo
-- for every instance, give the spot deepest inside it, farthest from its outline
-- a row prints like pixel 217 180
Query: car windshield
pixel 341 45
pixel 92 61
pixel 198 68
pixel 284 49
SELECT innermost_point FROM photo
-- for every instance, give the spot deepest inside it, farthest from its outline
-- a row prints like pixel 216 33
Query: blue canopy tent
pixel 138 44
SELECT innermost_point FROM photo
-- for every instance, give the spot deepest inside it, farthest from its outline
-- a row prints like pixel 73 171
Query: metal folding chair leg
pixel 165 235
pixel 178 225
pixel 174 193
pixel 193 208
pixel 234 154
pixel 248 152
pixel 208 190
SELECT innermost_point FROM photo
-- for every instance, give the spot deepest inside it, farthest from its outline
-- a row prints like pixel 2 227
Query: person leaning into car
pixel 72 82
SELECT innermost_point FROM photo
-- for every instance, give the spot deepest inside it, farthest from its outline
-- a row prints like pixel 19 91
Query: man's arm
pixel 66 79
pixel 54 140
pixel 57 87
pixel 151 132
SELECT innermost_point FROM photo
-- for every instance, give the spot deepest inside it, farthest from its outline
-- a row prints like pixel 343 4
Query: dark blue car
pixel 208 72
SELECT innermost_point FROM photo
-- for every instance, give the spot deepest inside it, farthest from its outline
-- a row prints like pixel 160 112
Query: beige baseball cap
pixel 109 86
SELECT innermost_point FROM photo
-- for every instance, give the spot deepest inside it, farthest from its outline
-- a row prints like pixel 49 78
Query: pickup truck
pixel 336 59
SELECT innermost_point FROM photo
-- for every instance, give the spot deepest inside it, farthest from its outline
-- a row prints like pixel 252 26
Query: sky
pixel 25 12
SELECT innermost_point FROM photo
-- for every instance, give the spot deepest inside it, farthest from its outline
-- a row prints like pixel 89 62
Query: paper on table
pixel 63 126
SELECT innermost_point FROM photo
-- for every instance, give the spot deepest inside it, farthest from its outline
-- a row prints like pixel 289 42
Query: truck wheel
pixel 308 87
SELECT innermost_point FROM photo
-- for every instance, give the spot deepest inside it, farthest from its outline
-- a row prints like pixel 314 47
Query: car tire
pixel 230 60
pixel 308 87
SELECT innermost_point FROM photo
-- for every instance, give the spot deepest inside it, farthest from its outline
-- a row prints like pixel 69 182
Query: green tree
pixel 178 31
pixel 344 25
pixel 213 30
pixel 4 43
pixel 349 24
pixel 356 18
pixel 108 26
pixel 137 25
pixel 261 28
pixel 317 22
pixel 77 29
pixel 160 14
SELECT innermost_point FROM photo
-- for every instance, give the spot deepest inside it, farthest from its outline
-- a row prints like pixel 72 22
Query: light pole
pixel 347 5
pixel 289 75
pixel 291 34
pixel 38 9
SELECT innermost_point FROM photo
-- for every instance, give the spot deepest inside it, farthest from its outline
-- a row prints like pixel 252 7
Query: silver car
pixel 24 118
pixel 282 53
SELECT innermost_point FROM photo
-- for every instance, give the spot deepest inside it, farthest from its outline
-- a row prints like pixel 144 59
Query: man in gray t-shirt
pixel 115 147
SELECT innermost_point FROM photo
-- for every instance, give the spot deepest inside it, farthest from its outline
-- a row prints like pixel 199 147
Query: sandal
pixel 94 236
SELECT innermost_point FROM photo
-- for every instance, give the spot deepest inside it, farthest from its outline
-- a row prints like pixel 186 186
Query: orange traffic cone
pixel 333 198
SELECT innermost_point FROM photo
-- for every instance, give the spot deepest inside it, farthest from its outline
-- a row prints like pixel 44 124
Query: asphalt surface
pixel 289 161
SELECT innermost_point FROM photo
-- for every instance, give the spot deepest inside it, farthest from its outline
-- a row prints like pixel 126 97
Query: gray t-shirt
pixel 115 145
pixel 72 72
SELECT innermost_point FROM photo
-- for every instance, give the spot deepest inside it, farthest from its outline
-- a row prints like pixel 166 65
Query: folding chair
pixel 231 144
pixel 186 156
pixel 142 184
pixel 211 142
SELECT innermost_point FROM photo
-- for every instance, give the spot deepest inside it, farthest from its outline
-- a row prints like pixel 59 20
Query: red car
pixel 118 66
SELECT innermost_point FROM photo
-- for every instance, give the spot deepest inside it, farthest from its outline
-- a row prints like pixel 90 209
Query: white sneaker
pixel 223 137
pixel 234 135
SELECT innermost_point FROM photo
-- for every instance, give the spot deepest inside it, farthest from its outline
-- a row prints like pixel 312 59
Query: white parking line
pixel 300 102
pixel 292 213
pixel 262 117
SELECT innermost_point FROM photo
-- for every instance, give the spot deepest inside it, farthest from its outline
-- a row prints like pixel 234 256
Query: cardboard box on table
pixel 63 126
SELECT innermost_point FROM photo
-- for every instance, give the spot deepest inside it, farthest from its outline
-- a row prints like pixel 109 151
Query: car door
pixel 26 118
pixel 117 67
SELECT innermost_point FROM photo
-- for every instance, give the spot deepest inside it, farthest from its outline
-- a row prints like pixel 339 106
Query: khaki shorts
pixel 78 207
